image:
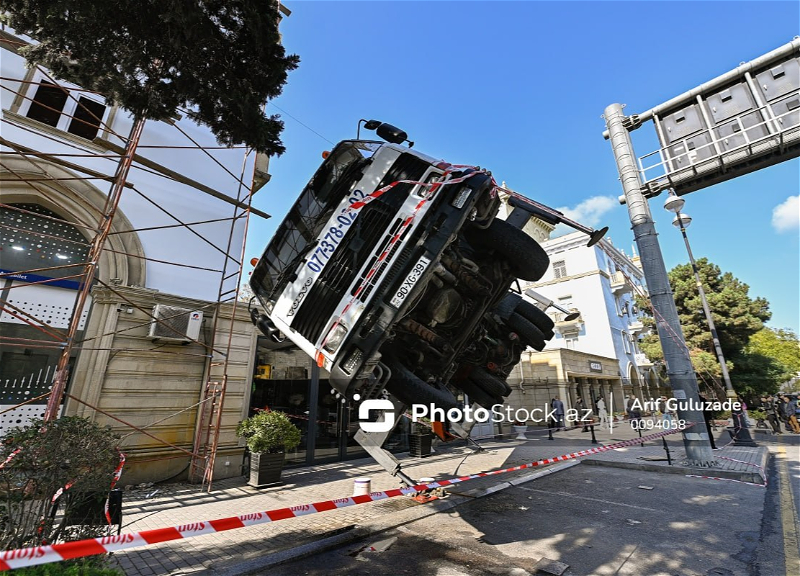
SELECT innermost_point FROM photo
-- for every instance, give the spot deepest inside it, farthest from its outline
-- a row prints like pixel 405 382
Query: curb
pixel 395 520
pixel 752 477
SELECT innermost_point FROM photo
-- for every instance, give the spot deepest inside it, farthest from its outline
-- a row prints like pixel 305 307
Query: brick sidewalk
pixel 214 553
pixel 183 504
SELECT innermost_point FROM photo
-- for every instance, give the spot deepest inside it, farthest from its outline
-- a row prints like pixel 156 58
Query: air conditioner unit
pixel 176 324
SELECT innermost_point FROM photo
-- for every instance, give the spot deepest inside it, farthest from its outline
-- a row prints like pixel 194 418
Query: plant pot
pixel 419 445
pixel 520 432
pixel 265 469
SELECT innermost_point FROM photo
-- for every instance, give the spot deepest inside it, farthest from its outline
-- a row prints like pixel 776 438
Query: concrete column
pixel 586 394
pixel 676 354
pixel 573 393
pixel 619 395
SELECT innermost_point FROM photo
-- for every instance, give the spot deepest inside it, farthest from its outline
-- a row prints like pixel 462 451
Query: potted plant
pixel 419 441
pixel 519 430
pixel 268 435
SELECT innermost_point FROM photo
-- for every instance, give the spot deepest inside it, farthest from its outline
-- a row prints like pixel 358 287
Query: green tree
pixel 71 456
pixel 219 59
pixel 737 317
pixel 780 344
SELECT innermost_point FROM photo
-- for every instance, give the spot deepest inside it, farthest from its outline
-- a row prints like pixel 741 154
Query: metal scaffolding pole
pixel 679 366
pixel 103 228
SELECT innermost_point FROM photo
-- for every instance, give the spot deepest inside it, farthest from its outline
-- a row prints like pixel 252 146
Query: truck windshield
pixel 298 232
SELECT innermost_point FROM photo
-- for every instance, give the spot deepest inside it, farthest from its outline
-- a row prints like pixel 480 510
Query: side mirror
pixel 266 326
pixel 391 133
pixel 372 124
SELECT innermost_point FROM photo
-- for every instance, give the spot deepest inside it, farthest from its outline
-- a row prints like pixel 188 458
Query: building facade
pixel 175 242
pixel 596 354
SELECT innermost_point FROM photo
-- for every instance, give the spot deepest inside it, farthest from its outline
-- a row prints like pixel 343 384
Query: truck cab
pixel 392 271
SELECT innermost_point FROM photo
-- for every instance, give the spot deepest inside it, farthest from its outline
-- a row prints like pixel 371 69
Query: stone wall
pixel 157 384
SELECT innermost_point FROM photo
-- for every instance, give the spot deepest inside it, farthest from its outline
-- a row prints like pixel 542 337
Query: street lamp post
pixel 741 434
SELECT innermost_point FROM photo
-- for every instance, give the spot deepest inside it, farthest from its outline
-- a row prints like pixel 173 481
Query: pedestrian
pixel 769 408
pixel 708 415
pixel 601 412
pixel 634 411
pixel 558 408
pixel 666 415
pixel 792 412
pixel 580 408
pixel 780 408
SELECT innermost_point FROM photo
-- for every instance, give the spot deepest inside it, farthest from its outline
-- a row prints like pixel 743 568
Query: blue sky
pixel 519 88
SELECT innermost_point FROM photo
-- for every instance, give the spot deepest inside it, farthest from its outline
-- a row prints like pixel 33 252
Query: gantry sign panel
pixel 750 123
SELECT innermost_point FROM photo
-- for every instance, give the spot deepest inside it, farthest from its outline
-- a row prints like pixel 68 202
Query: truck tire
pixel 477 395
pixel 489 383
pixel 527 258
pixel 410 389
pixel 529 333
pixel 536 317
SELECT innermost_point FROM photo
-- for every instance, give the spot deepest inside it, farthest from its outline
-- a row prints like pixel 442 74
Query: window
pixel 48 102
pixel 25 246
pixel 560 269
pixel 626 342
pixel 571 342
pixel 86 120
pixel 54 106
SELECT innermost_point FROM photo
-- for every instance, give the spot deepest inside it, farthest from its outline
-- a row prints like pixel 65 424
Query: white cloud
pixel 589 213
pixel 786 216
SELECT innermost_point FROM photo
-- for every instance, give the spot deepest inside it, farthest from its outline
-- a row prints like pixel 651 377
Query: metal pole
pixel 679 366
pixel 103 230
pixel 742 437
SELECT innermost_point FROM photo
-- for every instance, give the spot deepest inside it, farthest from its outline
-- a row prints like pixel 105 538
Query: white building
pixel 175 240
pixel 596 354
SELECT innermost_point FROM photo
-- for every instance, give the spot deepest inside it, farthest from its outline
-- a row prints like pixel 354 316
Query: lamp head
pixel 681 220
pixel 674 203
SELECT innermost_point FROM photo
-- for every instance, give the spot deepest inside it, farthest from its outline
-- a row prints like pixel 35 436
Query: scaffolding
pixel 216 350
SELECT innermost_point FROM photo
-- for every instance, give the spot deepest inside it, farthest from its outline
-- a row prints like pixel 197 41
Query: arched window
pixel 34 308
pixel 34 237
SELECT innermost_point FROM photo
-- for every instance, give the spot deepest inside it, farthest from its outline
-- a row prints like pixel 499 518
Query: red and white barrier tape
pixel 10 457
pixel 759 467
pixel 60 491
pixel 114 480
pixel 79 548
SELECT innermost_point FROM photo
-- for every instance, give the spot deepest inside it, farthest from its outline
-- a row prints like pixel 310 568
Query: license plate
pixel 411 280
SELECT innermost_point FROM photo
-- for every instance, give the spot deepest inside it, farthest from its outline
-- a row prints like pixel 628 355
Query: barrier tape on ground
pixel 759 467
pixel 79 548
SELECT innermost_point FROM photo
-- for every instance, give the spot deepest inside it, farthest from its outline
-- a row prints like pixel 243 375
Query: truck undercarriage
pixel 406 296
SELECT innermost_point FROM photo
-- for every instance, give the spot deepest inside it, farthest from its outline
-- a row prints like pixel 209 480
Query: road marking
pixel 587 498
pixel 791 552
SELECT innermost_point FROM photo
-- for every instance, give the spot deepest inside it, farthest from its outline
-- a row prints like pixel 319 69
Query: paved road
pixel 779 552
pixel 597 520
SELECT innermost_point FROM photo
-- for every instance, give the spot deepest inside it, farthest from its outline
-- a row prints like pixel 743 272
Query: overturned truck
pixel 394 273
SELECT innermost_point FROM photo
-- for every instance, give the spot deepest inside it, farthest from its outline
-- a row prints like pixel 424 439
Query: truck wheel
pixel 529 333
pixel 477 395
pixel 410 389
pixel 528 259
pixel 536 317
pixel 489 383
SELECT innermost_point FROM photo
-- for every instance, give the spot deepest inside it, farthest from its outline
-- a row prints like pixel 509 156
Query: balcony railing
pixel 619 283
